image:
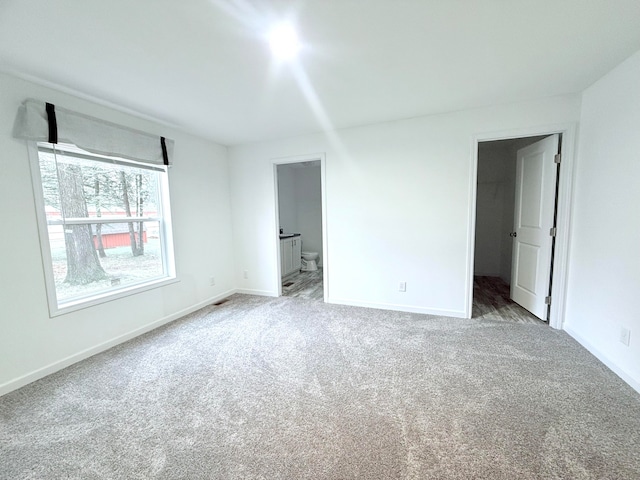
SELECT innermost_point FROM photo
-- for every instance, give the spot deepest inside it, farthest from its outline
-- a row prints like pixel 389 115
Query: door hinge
pixel 557 158
pixel 547 300
pixel 553 231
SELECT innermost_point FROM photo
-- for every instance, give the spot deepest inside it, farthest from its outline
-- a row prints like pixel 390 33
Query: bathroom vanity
pixel 290 253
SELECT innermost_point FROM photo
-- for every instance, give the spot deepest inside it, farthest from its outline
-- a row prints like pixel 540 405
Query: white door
pixel 536 174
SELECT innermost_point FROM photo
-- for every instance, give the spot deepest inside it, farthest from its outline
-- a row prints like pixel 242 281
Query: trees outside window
pixel 106 223
pixel 83 265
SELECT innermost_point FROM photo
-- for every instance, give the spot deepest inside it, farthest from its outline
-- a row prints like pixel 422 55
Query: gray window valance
pixel 43 122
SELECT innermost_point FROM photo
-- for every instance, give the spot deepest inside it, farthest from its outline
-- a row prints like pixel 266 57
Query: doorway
pixel 495 248
pixel 299 189
pixel 495 209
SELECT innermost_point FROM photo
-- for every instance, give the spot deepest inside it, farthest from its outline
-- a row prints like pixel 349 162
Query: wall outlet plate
pixel 625 336
pixel 402 287
pixel 212 281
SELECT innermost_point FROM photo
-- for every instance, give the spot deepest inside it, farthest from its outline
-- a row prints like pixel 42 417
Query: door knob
pixel 513 234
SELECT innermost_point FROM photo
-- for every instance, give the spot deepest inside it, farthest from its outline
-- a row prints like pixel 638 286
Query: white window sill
pixel 91 301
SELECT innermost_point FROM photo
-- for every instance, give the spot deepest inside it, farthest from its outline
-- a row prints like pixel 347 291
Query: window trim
pixel 168 254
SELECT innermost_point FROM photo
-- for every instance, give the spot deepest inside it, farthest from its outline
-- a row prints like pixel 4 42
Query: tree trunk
pixel 101 251
pixel 127 208
pixel 83 264
pixel 99 225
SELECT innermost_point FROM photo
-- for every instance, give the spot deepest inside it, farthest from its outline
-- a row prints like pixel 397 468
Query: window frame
pixel 165 226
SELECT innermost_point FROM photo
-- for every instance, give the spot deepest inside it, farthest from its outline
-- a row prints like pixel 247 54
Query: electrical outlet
pixel 245 274
pixel 212 281
pixel 402 287
pixel 625 336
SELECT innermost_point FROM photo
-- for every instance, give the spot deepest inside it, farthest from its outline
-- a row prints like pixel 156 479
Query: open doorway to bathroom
pixel 299 192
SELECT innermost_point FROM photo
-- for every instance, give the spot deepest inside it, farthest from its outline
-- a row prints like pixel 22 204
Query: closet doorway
pixel 516 200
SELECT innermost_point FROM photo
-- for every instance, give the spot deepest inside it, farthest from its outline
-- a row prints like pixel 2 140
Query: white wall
pixel 309 208
pixel 604 278
pixel 507 224
pixel 491 206
pixel 287 207
pixel 398 205
pixel 31 343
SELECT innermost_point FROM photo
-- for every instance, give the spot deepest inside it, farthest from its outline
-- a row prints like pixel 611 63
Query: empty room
pixel 278 239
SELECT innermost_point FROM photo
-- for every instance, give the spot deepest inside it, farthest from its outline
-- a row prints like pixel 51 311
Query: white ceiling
pixel 203 65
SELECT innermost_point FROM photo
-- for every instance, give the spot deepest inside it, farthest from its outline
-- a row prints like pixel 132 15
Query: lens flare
pixel 284 41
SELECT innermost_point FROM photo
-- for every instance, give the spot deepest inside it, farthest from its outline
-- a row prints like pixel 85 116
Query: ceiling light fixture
pixel 284 42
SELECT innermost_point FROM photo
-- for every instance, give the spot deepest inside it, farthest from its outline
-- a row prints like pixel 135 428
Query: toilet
pixel 309 261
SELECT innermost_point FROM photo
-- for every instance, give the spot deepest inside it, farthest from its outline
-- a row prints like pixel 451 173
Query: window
pixel 104 225
pixel 102 202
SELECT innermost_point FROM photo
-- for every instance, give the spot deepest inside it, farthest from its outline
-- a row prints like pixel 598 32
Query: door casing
pixel 565 191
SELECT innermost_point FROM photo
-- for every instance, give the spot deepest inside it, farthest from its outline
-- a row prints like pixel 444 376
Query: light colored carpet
pixel 264 388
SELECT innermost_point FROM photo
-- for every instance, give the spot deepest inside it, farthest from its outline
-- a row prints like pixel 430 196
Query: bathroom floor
pixel 304 285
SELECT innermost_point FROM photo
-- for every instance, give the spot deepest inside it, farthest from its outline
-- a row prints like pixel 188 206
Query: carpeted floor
pixel 286 388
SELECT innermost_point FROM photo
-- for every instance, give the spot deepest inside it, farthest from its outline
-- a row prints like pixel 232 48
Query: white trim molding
pixel 260 293
pixel 397 307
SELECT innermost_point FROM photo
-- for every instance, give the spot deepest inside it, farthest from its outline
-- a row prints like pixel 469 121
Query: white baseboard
pixel 262 293
pixel 633 383
pixel 398 307
pixel 16 383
